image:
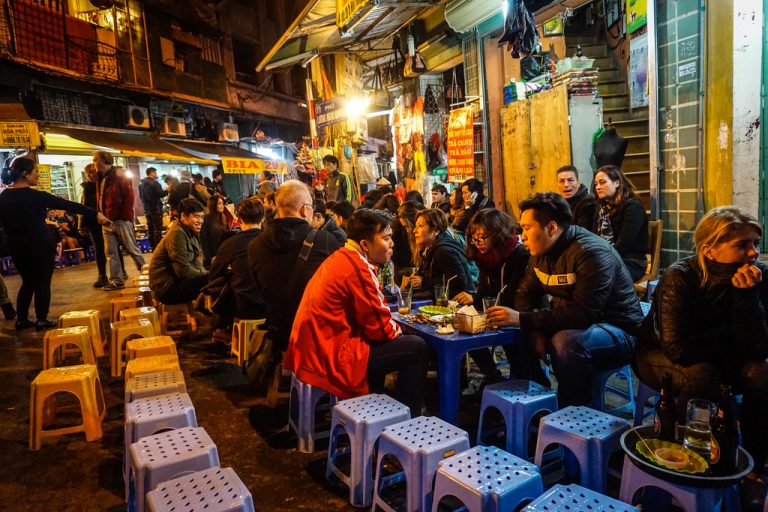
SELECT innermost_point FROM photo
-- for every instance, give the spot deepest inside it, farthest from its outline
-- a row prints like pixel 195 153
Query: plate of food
pixel 435 310
pixel 671 456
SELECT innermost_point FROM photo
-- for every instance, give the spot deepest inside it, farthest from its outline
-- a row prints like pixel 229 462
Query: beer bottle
pixel 666 411
pixel 726 432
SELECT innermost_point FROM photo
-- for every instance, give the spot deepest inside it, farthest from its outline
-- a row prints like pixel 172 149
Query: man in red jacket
pixel 344 339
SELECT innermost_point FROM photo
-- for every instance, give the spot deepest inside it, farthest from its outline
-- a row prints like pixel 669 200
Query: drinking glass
pixel 441 295
pixel 698 431
pixel 404 301
pixel 488 303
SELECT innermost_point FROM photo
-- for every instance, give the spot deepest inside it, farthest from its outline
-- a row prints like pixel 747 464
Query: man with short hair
pixel 325 222
pixel 151 194
pixel 583 205
pixel 336 186
pixel 176 272
pixel 344 339
pixel 441 199
pixel 217 185
pixel 593 315
pixel 114 194
pixel 267 184
pixel 285 256
pixel 270 206
pixel 342 211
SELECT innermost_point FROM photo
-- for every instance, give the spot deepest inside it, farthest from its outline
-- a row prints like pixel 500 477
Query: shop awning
pixel 463 15
pixel 234 160
pixel 76 140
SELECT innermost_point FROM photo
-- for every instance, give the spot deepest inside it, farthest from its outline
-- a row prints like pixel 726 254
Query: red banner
pixel 461 146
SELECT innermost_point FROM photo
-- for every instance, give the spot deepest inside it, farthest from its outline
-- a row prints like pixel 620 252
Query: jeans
pixel 115 235
pixel 407 355
pixel 34 259
pixel 154 227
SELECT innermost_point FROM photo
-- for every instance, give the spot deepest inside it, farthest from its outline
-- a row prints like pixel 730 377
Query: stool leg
pixel 35 418
pixel 89 407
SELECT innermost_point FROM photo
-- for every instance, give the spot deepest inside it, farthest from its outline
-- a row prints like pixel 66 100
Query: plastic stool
pixel 177 319
pixel 600 387
pixel 211 490
pixel 143 244
pixel 121 333
pixel 153 384
pixel 91 318
pixel 151 364
pixel 72 257
pixel 59 338
pixel 691 499
pixel 145 267
pixel 590 435
pixel 575 498
pixel 162 457
pixel 148 312
pixel 518 401
pixel 83 382
pixel 241 337
pixel 122 302
pixel 148 347
pixel 486 479
pixel 418 445
pixel 302 408
pixel 362 419
pixel 90 253
pixel 644 393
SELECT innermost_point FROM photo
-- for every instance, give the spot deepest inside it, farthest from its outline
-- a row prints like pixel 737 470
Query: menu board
pixel 461 145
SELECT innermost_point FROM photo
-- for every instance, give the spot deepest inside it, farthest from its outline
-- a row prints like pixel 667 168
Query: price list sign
pixel 18 134
pixel 461 145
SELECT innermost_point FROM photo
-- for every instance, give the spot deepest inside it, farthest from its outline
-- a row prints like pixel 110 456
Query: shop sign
pixel 637 15
pixel 14 134
pixel 252 166
pixel 461 145
pixel 44 177
pixel 329 112
pixel 346 9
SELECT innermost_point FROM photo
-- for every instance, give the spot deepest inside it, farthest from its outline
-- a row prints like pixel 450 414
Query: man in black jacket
pixel 583 205
pixel 152 194
pixel 278 271
pixel 591 322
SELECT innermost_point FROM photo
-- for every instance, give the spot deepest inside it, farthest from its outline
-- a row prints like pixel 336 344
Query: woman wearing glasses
pixel 495 246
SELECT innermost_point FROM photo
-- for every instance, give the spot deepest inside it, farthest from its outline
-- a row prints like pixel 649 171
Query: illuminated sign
pixel 346 9
pixel 14 134
pixel 461 145
pixel 252 166
pixel 329 112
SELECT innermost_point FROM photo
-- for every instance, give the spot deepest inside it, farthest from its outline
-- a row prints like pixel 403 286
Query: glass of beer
pixel 441 295
pixel 698 430
pixel 404 301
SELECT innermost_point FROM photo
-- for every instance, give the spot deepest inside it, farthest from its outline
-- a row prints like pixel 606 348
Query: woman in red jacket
pixel 344 339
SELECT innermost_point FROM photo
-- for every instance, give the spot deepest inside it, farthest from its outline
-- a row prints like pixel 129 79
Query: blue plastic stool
pixel 362 419
pixel 162 457
pixel 486 479
pixel 301 413
pixel 143 244
pixel 644 393
pixel 518 401
pixel 575 498
pixel 211 490
pixel 71 257
pixel 690 499
pixel 90 253
pixel 589 434
pixel 418 445
pixel 148 416
pixel 600 387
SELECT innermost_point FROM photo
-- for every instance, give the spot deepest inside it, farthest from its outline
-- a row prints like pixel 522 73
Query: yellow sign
pixel 637 15
pixel 252 166
pixel 346 9
pixel 14 134
pixel 44 177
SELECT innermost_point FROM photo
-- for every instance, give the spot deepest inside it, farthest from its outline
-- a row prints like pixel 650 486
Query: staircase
pixel 630 124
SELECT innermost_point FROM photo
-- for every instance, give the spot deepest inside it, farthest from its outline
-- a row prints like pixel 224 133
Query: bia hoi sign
pixel 252 166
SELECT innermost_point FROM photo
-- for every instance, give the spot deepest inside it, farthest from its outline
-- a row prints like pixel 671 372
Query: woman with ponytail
pixel 23 211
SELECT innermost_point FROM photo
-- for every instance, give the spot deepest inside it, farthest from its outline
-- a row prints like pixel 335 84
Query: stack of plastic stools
pixel 122 302
pixel 123 331
pixel 589 434
pixel 644 393
pixel 418 445
pixel 162 457
pixel 153 384
pixel 518 402
pixel 148 347
pixel 574 498
pixel 151 364
pixel 600 387
pixel 487 479
pixel 362 419
pixel 210 490
pixel 148 312
pixel 304 404
pixel 91 318
pixel 55 339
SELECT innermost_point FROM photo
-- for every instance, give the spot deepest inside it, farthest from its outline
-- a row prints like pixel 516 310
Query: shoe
pixel 42 325
pixel 8 312
pixel 24 324
pixel 101 282
pixel 113 285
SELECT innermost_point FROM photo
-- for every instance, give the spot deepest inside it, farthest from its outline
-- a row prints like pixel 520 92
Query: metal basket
pixel 471 324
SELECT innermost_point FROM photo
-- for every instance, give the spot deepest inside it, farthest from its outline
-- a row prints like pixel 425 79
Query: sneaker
pixel 24 324
pixel 8 312
pixel 101 282
pixel 42 325
pixel 113 285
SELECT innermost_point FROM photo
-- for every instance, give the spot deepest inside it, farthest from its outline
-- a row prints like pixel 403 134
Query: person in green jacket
pixel 176 272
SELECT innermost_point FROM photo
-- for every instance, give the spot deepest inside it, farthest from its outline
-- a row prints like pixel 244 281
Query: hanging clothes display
pixel 367 170
pixel 520 32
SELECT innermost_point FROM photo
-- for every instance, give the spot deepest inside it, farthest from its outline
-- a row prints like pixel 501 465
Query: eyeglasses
pixel 478 239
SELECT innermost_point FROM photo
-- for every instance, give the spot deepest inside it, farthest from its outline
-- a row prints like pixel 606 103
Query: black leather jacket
pixel 711 323
pixel 587 282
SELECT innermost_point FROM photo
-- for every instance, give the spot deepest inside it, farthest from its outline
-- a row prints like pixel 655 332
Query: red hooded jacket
pixel 115 196
pixel 342 311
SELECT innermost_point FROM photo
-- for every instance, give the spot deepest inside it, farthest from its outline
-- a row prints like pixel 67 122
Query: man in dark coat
pixel 583 205
pixel 151 194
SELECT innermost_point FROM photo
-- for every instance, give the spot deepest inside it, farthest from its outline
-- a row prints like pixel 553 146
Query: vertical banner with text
pixel 461 145
pixel 44 178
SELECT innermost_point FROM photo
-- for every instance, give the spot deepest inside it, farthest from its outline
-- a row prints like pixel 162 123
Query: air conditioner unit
pixel 173 126
pixel 136 117
pixel 228 132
